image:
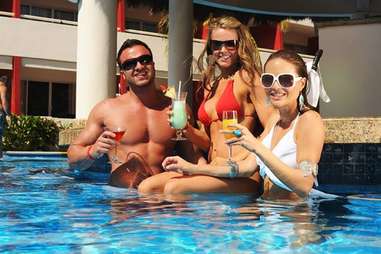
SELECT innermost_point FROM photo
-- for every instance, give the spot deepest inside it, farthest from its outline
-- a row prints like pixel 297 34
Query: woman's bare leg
pixel 156 183
pixel 203 183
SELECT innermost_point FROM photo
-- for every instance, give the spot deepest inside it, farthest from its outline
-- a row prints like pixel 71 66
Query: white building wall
pixel 351 70
pixel 36 39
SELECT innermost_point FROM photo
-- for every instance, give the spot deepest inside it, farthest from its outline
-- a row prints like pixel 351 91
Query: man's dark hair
pixel 128 44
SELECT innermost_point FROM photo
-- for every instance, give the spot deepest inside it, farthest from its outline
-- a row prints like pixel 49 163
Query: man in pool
pixel 141 118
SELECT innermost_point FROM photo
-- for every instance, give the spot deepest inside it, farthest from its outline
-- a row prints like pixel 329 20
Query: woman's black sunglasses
pixel 131 63
pixel 229 44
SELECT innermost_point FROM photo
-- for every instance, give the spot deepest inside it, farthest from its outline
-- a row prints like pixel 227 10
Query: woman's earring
pixel 301 102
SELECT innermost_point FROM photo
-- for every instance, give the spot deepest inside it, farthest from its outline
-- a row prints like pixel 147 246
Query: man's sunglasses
pixel 229 44
pixel 131 63
pixel 286 80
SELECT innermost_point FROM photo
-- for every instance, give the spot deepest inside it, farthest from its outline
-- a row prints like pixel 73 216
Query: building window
pixel 48 99
pixel 141 25
pixel 150 27
pixel 132 24
pixel 41 12
pixel 37 98
pixel 48 13
pixel 25 9
pixel 61 99
pixel 65 15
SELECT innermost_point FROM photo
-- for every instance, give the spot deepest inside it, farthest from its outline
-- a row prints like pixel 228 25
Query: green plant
pixel 30 133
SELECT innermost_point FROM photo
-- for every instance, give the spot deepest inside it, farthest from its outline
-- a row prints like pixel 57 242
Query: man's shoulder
pixel 105 105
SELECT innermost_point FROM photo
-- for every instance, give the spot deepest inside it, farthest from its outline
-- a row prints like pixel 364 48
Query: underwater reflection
pixel 299 223
pixel 124 209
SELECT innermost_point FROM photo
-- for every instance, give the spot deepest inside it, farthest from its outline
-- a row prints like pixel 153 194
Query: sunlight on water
pixel 45 208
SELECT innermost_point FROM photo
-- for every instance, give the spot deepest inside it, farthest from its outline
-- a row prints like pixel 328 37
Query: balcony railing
pixel 39 18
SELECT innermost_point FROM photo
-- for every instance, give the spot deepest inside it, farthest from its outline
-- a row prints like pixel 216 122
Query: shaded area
pixel 355 167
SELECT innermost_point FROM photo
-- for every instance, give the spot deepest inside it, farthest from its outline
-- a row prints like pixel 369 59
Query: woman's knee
pixel 174 186
pixel 147 186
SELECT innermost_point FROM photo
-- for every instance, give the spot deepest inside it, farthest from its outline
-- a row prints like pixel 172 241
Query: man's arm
pixel 92 142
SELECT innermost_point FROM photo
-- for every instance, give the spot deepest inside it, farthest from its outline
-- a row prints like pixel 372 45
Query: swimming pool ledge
pixel 34 154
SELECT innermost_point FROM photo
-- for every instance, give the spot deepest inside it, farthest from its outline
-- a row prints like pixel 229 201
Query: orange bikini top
pixel 227 101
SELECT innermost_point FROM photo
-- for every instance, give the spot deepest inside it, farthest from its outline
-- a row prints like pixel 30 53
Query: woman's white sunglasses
pixel 286 80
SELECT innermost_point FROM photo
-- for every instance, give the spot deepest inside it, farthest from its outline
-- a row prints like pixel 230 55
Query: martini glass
pixel 119 132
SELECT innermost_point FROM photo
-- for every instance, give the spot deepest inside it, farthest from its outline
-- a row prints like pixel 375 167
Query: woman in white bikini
pixel 287 152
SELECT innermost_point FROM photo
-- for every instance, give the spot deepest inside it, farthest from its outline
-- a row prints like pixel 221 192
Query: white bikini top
pixel 285 150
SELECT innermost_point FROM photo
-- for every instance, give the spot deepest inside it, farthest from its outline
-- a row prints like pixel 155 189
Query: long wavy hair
pixel 248 60
pixel 293 58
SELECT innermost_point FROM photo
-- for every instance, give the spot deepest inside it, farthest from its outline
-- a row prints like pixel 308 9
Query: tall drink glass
pixel 229 117
pixel 179 116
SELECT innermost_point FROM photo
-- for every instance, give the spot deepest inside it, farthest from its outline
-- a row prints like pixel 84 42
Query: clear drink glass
pixel 179 117
pixel 229 117
pixel 119 132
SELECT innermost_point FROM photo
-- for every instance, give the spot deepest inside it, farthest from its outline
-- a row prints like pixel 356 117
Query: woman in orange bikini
pixel 230 82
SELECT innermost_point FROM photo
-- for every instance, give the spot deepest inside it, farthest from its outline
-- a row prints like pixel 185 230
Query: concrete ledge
pixel 337 130
pixel 72 128
pixel 353 130
pixel 67 136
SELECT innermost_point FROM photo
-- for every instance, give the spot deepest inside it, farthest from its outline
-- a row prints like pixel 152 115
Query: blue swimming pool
pixel 47 209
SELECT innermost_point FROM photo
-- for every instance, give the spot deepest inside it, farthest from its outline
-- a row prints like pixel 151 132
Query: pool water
pixel 47 209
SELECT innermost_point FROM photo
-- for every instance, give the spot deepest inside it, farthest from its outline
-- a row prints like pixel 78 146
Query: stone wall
pixel 352 130
pixel 73 128
pixel 338 130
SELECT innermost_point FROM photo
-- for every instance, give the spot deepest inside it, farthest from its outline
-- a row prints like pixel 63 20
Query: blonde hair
pixel 249 59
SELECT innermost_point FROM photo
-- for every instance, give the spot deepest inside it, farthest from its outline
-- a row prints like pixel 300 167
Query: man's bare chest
pixel 143 126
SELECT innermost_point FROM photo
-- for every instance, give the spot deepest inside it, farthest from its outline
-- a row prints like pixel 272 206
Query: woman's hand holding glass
pixel 243 137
